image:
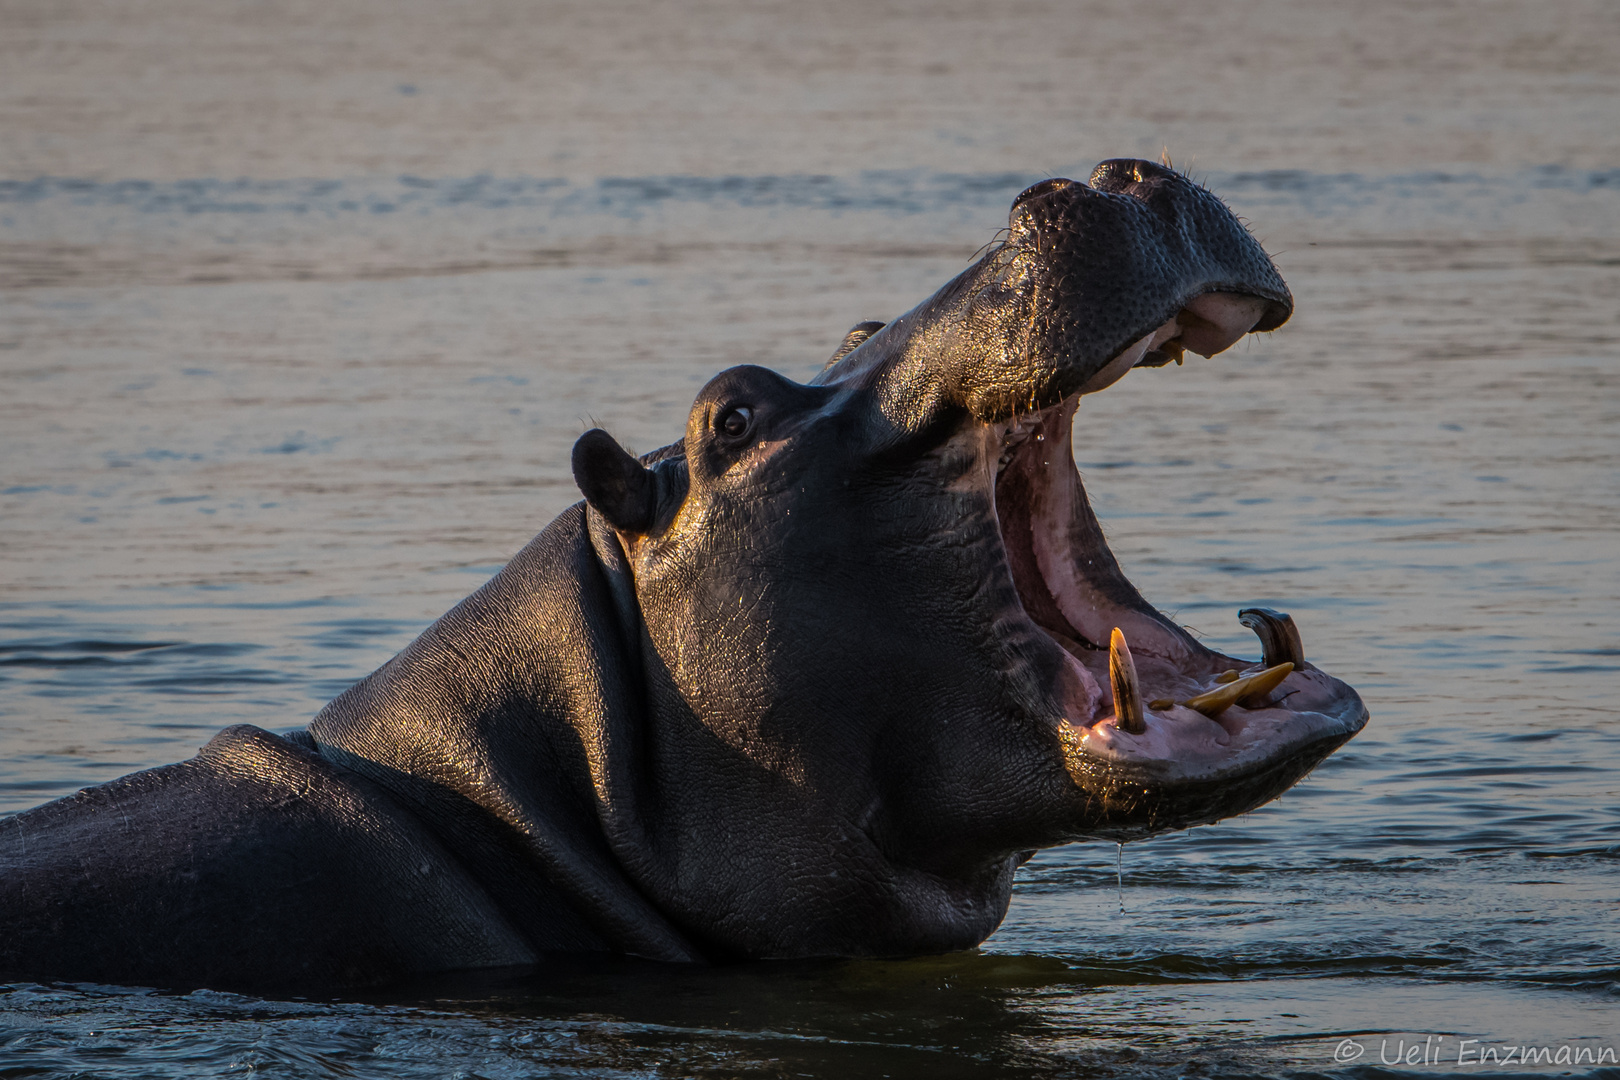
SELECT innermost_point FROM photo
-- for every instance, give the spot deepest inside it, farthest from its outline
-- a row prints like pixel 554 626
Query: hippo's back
pixel 256 863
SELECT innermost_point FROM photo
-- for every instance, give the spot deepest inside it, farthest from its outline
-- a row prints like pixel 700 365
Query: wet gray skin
pixel 810 682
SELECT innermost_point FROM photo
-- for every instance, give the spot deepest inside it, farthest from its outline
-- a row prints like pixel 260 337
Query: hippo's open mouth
pixel 1133 269
pixel 1164 731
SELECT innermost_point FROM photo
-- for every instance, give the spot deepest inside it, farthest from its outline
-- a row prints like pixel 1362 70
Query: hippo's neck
pixel 492 724
pixel 531 727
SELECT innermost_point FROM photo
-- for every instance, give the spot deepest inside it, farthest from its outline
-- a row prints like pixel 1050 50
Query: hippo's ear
pixel 618 486
pixel 857 334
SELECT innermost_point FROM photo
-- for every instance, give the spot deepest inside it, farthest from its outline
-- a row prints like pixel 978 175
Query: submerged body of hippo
pixel 810 682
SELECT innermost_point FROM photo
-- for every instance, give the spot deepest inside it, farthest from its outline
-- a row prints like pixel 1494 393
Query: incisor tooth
pixel 1128 715
pixel 1219 699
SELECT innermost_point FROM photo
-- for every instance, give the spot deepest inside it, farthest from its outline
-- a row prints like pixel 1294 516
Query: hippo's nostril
pixel 1045 187
pixel 1118 173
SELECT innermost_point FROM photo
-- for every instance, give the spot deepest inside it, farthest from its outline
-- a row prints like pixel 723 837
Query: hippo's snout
pixel 1036 191
pixel 1139 241
pixel 1133 269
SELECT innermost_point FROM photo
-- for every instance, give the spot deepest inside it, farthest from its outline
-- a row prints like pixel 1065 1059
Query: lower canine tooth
pixel 1128 714
pixel 1279 637
pixel 1221 698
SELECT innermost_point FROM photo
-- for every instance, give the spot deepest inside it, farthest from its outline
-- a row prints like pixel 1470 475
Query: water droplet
pixel 1119 876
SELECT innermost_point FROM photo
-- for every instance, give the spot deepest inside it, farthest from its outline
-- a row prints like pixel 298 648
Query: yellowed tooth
pixel 1128 714
pixel 1226 677
pixel 1221 698
pixel 1158 704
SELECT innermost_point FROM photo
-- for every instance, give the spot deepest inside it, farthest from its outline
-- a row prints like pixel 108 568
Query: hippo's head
pixel 884 595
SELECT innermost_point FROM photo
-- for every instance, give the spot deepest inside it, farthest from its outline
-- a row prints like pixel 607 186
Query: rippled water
pixel 263 420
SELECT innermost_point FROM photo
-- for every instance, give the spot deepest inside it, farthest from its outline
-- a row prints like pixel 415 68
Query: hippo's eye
pixel 735 422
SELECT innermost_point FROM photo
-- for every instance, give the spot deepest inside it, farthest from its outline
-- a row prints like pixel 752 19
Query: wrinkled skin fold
pixel 811 681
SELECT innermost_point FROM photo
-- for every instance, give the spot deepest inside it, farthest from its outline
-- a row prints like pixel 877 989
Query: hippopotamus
pixel 812 681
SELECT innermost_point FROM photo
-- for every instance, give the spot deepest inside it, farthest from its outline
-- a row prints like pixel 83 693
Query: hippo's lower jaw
pixel 1159 732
